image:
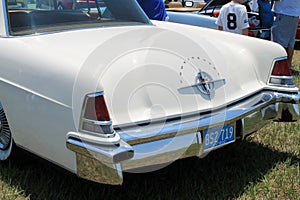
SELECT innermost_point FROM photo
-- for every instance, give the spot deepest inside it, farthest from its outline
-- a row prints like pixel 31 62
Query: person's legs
pixel 290 49
pixel 283 32
pixel 290 53
pixel 279 32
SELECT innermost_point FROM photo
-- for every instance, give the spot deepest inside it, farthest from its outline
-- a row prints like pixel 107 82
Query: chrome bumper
pixel 141 147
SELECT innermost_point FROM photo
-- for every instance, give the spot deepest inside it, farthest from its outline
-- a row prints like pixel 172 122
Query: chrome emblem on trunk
pixel 205 84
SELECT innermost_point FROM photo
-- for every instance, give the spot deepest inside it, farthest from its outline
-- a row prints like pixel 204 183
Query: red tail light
pixel 281 68
pixel 95 118
pixel 96 108
pixel 281 75
pixel 251 34
pixel 251 25
pixel 216 14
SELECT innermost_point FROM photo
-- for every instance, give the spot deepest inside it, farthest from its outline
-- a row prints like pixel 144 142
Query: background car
pixel 17 3
pixel 181 3
pixel 212 9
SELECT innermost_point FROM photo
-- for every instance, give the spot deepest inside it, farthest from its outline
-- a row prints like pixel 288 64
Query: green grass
pixel 264 166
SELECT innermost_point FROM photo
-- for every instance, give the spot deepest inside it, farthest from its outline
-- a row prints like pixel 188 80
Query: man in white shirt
pixel 233 18
pixel 284 28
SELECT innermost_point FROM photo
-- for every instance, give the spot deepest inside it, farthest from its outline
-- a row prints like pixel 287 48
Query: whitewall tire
pixel 6 141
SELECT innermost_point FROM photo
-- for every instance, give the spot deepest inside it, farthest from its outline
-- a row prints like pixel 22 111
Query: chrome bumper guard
pixel 152 145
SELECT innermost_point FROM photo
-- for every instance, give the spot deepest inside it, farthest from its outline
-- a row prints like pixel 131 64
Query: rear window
pixel 40 16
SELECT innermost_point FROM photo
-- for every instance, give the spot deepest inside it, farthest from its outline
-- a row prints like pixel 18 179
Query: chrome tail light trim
pixel 95 127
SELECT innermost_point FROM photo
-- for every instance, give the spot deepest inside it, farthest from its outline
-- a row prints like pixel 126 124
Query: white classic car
pixel 104 91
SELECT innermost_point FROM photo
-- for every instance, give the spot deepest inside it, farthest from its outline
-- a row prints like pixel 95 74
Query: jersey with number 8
pixel 233 18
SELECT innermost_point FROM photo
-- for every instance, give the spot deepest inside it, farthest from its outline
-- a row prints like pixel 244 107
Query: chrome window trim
pixel 70 30
pixel 5 17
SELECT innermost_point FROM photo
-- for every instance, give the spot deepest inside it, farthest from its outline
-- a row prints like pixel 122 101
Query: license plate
pixel 218 136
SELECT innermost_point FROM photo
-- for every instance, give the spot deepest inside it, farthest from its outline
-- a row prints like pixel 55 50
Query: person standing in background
pixel 284 28
pixel 154 9
pixel 266 16
pixel 265 13
pixel 233 18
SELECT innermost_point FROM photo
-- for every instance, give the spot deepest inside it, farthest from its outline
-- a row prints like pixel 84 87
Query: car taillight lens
pixel 281 68
pixel 281 74
pixel 95 116
pixel 216 14
pixel 251 34
pixel 96 108
pixel 251 25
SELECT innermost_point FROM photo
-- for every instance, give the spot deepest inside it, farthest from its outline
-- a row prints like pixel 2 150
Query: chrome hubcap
pixel 5 134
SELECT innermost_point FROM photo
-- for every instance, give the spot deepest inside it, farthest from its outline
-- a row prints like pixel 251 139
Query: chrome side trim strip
pixel 35 93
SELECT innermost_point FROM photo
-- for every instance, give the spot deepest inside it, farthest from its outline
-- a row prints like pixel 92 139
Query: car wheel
pixel 60 6
pixel 6 141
